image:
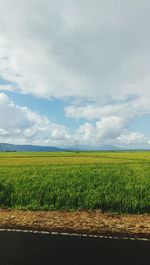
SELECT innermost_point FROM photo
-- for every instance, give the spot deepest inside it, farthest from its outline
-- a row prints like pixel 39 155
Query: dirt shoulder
pixel 89 222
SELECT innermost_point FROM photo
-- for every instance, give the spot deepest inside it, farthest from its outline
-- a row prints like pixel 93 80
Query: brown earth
pixel 89 222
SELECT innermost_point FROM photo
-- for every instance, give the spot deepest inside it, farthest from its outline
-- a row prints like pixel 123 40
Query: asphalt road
pixel 17 248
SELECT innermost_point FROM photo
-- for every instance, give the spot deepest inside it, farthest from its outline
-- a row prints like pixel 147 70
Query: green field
pixel 111 181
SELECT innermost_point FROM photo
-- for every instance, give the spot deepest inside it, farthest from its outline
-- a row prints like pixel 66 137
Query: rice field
pixel 109 181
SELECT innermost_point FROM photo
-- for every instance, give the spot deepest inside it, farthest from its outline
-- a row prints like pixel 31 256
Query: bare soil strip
pixel 83 222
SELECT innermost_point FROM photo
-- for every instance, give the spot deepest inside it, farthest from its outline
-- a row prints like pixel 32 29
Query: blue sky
pixel 75 71
pixel 142 124
pixel 51 108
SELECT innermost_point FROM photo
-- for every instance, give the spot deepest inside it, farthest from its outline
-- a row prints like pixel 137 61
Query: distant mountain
pixel 27 148
pixel 115 148
pixel 109 148
pixel 35 148
pixel 93 148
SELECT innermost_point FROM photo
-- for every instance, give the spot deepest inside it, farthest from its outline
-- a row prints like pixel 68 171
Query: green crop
pixel 110 181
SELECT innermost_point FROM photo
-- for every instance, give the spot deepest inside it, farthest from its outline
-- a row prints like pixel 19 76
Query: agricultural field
pixel 108 181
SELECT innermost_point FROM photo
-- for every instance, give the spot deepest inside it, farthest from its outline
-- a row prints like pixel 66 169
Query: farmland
pixel 110 181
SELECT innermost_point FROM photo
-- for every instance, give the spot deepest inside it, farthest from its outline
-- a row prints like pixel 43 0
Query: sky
pixel 75 72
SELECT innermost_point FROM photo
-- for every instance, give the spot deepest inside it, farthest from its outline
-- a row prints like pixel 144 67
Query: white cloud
pixel 129 109
pixel 12 117
pixel 94 50
pixel 110 127
pixel 112 124
pixel 76 48
pixel 21 125
pixel 18 124
pixel 110 130
pixel 85 133
pixel 133 138
pixel 112 120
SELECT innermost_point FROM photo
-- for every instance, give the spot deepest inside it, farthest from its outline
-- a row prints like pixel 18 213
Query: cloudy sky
pixel 75 71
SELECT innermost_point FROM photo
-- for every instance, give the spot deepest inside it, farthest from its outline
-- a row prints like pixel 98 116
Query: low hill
pixel 27 148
